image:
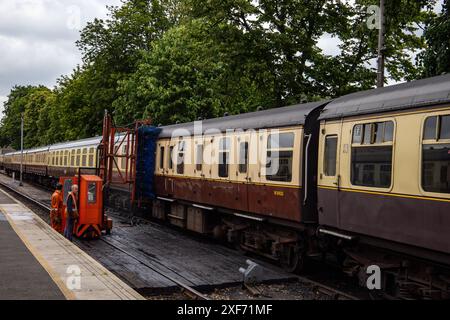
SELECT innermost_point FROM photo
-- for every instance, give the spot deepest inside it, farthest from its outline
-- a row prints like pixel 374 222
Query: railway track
pixel 43 208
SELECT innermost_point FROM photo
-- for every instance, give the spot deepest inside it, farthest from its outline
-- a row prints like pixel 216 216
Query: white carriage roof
pixel 76 144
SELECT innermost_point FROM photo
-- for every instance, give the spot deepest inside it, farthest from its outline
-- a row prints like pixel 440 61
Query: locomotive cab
pixel 90 205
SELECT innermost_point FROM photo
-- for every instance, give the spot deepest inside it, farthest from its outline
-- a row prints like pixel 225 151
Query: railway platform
pixel 37 263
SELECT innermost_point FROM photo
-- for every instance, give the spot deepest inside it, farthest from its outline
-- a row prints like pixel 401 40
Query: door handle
pixel 338 182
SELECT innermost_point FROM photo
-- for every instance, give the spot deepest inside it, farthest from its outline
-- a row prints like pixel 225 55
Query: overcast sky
pixel 37 39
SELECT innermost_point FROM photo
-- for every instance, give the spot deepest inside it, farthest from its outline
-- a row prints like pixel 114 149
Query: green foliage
pixel 178 60
pixel 435 60
pixel 28 101
pixel 196 71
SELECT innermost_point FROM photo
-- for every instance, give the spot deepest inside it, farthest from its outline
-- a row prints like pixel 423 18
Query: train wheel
pixel 292 258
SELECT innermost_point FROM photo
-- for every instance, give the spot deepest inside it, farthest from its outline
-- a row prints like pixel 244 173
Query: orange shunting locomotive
pixel 92 220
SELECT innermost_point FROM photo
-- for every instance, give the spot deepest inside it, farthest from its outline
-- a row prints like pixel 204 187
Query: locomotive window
pixel 330 155
pixel 161 157
pixel 180 157
pixel 224 157
pixel 436 168
pixel 199 158
pixel 243 157
pixel 280 156
pixel 92 192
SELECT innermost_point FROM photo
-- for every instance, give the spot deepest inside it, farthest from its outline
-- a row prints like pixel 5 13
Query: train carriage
pixel 365 176
pixel 239 175
pixel 384 168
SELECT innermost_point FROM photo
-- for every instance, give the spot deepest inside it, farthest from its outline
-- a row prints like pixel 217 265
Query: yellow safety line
pixel 55 277
pixel 385 194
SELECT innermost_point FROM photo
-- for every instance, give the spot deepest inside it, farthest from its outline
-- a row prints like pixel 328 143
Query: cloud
pixel 329 44
pixel 37 39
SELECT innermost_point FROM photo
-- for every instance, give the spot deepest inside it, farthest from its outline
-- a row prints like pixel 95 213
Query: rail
pixel 186 288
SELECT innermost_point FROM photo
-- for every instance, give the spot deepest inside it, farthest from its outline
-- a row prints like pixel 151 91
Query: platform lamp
pixel 21 149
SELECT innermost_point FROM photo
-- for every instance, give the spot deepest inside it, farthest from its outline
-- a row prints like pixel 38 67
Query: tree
pixel 111 51
pixel 194 71
pixel 435 60
pixel 29 101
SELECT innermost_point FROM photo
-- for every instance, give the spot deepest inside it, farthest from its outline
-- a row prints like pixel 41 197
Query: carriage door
pixel 171 166
pixel 329 175
pixel 241 168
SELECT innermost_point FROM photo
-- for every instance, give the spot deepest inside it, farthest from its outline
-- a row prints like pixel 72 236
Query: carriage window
pixel 199 158
pixel 444 127
pixel 161 157
pixel 436 155
pixel 357 134
pixel 91 158
pixel 171 157
pixel 373 133
pixel 437 128
pixel 280 155
pixel 243 157
pixel 72 159
pixel 78 157
pixel 180 157
pixel 66 157
pixel 84 158
pixel 330 155
pixel 371 164
pixel 224 157
pixel 430 129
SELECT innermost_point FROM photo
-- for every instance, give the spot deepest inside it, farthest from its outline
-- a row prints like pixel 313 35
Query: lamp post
pixel 381 43
pixel 21 150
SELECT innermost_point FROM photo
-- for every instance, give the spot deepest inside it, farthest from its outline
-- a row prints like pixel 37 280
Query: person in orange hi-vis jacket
pixel 57 212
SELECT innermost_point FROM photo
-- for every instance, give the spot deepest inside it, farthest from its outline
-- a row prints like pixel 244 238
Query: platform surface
pixel 36 262
pixel 159 249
